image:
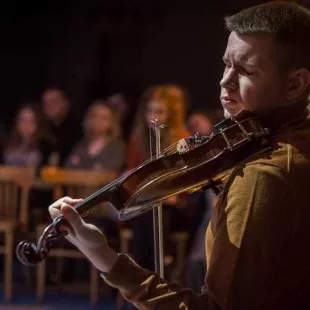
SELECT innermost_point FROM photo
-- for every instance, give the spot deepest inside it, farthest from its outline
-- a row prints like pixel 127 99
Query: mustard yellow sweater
pixel 258 241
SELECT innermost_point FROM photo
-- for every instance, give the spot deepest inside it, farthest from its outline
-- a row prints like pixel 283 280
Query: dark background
pixel 96 47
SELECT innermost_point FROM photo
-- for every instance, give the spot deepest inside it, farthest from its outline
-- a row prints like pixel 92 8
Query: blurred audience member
pixel 63 124
pixel 164 104
pixel 101 147
pixel 3 138
pixel 181 93
pixel 29 143
pixel 196 265
pixel 199 122
pixel 119 103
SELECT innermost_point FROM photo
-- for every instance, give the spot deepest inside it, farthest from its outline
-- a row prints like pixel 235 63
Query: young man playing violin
pixel 258 241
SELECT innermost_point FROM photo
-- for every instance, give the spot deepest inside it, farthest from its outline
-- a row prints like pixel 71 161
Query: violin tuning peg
pixel 182 146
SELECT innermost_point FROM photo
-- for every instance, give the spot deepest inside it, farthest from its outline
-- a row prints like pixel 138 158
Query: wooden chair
pixel 15 183
pixel 78 184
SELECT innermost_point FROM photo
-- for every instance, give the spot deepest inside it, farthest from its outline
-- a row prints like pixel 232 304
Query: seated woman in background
pixel 29 143
pixel 101 149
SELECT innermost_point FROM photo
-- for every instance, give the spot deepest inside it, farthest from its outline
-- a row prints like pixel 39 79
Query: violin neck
pixel 102 195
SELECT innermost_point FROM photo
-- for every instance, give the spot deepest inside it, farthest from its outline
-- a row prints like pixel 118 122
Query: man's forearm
pixel 146 290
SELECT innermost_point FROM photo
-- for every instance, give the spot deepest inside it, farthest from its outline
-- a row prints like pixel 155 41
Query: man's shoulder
pixel 289 157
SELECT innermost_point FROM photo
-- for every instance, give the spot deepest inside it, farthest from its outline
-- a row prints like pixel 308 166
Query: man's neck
pixel 285 116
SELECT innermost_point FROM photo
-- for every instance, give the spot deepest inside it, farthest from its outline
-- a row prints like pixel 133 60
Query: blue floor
pixel 55 298
pixel 59 301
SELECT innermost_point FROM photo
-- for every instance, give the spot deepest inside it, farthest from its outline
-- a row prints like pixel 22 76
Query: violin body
pixel 199 166
pixel 196 163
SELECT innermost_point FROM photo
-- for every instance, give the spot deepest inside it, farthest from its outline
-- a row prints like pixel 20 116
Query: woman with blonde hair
pixel 101 147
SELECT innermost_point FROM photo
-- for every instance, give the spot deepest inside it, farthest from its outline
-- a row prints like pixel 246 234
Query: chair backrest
pixel 75 183
pixel 76 177
pixel 15 183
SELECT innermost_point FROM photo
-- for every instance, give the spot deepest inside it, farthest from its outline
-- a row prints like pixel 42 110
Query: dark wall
pixel 186 47
pixel 111 48
pixel 22 56
pixel 94 48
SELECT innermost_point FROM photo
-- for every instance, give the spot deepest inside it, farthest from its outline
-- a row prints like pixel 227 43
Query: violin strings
pixel 171 147
pixel 125 174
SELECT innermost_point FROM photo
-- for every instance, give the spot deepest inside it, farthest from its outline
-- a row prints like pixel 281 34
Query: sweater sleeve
pixel 146 290
pixel 243 236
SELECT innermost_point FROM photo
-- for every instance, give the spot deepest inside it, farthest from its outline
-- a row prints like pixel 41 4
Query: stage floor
pixel 22 308
pixel 55 300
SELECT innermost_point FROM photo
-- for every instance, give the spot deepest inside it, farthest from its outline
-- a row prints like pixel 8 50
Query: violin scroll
pixel 31 254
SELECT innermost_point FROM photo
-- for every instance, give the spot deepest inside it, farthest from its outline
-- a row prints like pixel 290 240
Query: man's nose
pixel 229 79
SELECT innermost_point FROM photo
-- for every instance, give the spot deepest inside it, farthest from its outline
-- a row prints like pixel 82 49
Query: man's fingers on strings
pixel 54 209
pixel 71 201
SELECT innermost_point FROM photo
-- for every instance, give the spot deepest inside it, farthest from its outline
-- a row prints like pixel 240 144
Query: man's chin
pixel 230 114
pixel 227 114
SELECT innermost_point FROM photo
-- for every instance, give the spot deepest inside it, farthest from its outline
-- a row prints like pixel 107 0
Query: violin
pixel 192 164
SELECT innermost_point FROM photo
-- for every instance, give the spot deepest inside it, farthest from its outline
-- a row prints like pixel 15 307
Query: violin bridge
pixel 243 130
pixel 229 145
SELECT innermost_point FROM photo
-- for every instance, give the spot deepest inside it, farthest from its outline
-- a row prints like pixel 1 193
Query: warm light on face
pixel 250 70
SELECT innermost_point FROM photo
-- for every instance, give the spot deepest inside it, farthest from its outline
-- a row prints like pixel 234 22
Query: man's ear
pixel 298 84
